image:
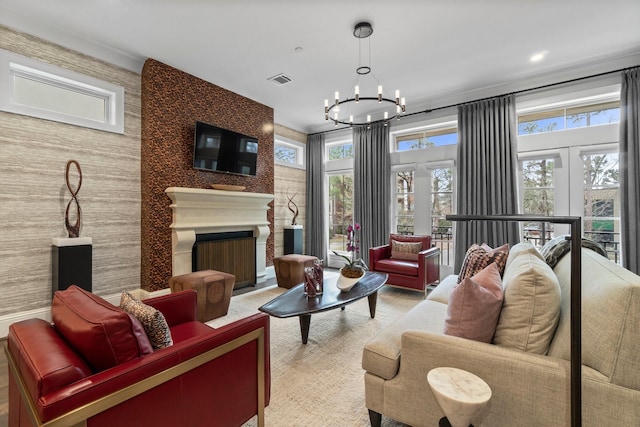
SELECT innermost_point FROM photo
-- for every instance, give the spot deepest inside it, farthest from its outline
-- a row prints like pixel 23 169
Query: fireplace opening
pixel 230 252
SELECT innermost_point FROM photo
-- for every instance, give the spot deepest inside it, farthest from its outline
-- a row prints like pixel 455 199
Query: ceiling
pixel 436 52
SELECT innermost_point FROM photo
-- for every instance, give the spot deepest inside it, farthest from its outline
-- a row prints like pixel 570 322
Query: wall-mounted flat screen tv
pixel 221 150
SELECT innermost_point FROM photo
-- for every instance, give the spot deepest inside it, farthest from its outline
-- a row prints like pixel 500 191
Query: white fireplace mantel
pixel 202 211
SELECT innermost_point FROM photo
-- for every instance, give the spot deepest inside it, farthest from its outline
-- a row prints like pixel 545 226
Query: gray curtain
pixel 630 169
pixel 371 185
pixel 315 236
pixel 487 173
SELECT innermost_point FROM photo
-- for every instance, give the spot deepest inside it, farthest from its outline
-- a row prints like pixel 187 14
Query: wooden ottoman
pixel 290 269
pixel 213 288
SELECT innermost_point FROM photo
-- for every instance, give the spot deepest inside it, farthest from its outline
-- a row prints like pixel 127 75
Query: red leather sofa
pixel 415 274
pixel 208 377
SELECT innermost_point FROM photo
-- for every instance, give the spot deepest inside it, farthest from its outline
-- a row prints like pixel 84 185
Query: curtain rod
pixel 517 92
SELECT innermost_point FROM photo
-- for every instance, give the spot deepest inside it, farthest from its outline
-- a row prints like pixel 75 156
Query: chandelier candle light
pixel 332 112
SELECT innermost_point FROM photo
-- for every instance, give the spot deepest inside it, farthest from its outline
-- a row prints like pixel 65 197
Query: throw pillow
pixel 518 249
pixel 153 321
pixel 405 250
pixel 531 306
pixel 141 336
pixel 101 332
pixel 474 306
pixel 477 258
pixel 559 246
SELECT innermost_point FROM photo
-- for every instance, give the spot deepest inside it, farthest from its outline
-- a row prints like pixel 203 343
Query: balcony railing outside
pixel 610 240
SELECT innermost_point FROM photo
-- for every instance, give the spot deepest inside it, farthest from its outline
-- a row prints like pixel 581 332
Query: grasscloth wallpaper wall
pixel 33 194
pixel 172 101
pixel 34 152
pixel 288 180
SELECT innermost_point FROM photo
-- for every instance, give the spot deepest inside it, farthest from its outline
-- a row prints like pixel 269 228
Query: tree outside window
pixel 404 202
pixel 602 200
pixel 538 198
pixel 340 151
pixel 285 154
pixel 340 210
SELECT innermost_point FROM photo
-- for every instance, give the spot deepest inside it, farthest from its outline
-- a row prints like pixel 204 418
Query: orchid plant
pixel 353 246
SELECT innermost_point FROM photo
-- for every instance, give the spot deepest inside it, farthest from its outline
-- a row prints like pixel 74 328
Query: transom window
pixel 569 118
pixel 288 153
pixel 42 90
pixel 426 139
pixel 343 150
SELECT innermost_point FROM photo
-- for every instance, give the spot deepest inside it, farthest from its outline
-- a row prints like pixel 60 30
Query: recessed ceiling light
pixel 537 57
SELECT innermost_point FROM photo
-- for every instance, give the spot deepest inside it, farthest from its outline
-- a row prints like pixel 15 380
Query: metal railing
pixel 610 241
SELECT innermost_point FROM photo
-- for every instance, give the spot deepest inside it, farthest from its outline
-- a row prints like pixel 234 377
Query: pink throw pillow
pixel 474 306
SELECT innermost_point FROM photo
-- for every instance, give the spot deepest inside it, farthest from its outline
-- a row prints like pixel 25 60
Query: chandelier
pixel 344 111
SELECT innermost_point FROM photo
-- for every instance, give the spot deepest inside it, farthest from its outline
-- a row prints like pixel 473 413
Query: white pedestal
pixel 460 394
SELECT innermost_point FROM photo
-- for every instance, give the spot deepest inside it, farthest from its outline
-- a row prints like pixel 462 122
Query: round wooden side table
pixel 460 394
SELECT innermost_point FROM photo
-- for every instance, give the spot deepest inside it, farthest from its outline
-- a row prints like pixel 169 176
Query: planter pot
pixel 346 283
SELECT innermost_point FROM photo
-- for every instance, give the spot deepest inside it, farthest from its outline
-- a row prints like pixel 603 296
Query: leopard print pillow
pixel 478 257
pixel 153 321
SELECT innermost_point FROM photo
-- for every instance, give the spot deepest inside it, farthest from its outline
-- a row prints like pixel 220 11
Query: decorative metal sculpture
pixel 74 230
pixel 294 212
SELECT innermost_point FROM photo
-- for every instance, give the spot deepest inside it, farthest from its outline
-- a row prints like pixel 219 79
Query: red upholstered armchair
pixel 410 261
pixel 208 377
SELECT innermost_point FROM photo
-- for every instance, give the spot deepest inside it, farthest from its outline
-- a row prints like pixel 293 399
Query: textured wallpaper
pixel 172 101
pixel 292 181
pixel 33 194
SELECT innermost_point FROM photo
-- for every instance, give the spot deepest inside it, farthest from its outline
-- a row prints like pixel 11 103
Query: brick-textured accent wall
pixel 172 101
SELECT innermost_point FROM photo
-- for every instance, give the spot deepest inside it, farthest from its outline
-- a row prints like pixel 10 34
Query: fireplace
pixel 205 212
pixel 232 252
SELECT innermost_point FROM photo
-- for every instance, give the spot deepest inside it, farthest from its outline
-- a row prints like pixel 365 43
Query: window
pixel 569 117
pixel 341 150
pixel 423 169
pixel 288 153
pixel 441 200
pixel 425 139
pixel 37 89
pixel 405 203
pixel 574 172
pixel 441 206
pixel 601 219
pixel 537 198
pixel 340 210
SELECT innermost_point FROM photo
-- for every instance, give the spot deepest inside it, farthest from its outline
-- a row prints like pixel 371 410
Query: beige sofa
pixel 528 389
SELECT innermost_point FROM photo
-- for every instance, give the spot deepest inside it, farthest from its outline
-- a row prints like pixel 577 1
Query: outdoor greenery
pixel 340 209
pixel 441 200
pixel 285 154
pixel 341 151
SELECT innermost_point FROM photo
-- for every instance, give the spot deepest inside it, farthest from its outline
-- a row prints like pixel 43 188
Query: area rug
pixel 321 383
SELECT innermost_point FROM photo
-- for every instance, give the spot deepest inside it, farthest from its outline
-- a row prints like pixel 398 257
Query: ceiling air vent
pixel 280 79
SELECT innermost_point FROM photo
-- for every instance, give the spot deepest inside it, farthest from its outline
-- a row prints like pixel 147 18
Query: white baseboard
pixel 45 312
pixel 271 272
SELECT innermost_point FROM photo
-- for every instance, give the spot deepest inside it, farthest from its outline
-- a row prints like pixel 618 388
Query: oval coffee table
pixel 295 303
